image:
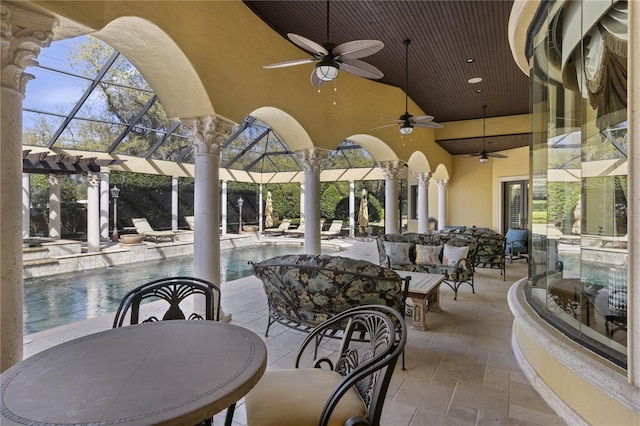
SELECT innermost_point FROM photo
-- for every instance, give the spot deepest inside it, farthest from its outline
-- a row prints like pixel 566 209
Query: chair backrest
pixel 336 226
pixel 191 222
pixel 373 337
pixel 170 293
pixel 285 224
pixel 517 237
pixel 141 224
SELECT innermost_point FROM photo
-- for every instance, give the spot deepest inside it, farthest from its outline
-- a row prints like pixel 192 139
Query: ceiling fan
pixel 484 155
pixel 407 121
pixel 330 58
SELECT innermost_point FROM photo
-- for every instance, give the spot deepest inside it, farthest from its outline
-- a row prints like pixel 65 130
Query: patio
pixel 460 372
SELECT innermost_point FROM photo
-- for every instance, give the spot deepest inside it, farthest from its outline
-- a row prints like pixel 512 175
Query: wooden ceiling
pixel 444 36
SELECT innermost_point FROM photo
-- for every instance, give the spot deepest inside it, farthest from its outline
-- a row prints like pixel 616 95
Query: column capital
pixel 422 177
pixel 23 34
pixel 391 168
pixel 93 179
pixel 442 183
pixel 54 179
pixel 207 133
pixel 312 158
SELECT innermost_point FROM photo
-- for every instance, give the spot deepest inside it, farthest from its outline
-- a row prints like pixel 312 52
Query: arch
pixel 418 163
pixel 378 149
pixel 441 172
pixel 167 70
pixel 294 136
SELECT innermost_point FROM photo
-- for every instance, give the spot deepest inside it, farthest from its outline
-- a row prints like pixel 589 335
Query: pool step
pixel 39 262
pixel 34 253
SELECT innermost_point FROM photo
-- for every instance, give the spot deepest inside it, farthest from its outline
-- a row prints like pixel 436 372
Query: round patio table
pixel 167 372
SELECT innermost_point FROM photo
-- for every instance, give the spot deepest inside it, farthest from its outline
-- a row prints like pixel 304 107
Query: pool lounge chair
pixel 298 232
pixel 334 230
pixel 143 228
pixel 284 226
pixel 191 222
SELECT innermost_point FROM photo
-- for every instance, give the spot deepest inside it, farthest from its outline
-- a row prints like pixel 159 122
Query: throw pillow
pixel 453 254
pixel 398 253
pixel 429 255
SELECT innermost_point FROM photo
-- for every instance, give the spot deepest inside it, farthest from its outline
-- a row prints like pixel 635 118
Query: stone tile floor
pixel 460 372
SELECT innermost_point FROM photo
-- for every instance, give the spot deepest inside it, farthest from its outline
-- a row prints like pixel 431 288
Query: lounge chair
pixel 284 226
pixel 143 228
pixel 334 230
pixel 191 222
pixel 299 231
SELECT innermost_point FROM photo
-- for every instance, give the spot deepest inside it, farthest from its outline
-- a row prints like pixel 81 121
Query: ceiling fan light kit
pixel 406 129
pixel 327 70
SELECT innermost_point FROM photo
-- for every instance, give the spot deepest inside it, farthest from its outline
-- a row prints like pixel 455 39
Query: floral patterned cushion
pixel 309 289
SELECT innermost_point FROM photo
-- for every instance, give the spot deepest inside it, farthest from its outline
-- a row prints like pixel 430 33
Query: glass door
pixel 515 204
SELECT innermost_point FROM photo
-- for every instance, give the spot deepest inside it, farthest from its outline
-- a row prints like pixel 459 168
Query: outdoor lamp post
pixel 115 193
pixel 240 204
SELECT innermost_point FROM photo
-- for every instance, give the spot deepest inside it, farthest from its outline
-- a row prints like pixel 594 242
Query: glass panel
pixel 578 267
pixel 40 128
pixel 88 135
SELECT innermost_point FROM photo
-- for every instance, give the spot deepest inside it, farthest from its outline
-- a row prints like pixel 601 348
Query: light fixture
pixel 470 60
pixel 406 128
pixel 474 80
pixel 327 69
pixel 484 159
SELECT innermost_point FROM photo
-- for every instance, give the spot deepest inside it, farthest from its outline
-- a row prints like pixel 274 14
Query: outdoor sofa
pixel 304 290
pixel 445 253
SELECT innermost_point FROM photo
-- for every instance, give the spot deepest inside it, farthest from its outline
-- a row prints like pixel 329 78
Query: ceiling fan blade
pixel 308 45
pixel 421 118
pixel 427 124
pixel 315 80
pixel 477 154
pixel 393 119
pixel 495 155
pixel 357 49
pixel 386 125
pixel 290 63
pixel 360 68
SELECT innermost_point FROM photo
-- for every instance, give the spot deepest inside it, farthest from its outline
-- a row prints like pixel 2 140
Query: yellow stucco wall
pixel 590 403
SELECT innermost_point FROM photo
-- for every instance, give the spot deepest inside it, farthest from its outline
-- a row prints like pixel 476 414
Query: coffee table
pixel 166 372
pixel 424 291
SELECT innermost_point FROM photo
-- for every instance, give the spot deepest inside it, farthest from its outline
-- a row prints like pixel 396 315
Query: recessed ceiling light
pixel 470 60
pixel 474 80
pixel 478 90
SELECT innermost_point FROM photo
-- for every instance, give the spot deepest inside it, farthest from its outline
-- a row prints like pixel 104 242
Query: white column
pixel 260 210
pixel 423 201
pixel 93 212
pixel 310 192
pixel 352 209
pixel 391 171
pixel 633 218
pixel 223 201
pixel 302 200
pixel 26 205
pixel 23 33
pixel 442 202
pixel 207 134
pixel 105 204
pixel 55 224
pixel 174 203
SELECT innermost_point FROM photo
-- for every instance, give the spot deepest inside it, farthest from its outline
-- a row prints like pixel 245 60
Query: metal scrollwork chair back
pixel 173 291
pixel 345 384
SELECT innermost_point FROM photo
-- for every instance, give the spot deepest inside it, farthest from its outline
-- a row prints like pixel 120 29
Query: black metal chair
pixel 172 291
pixel 350 389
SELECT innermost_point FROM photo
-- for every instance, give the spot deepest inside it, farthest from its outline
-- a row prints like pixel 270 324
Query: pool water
pixel 57 300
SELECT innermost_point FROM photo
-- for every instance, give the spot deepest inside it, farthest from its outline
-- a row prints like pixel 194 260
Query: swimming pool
pixel 62 299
